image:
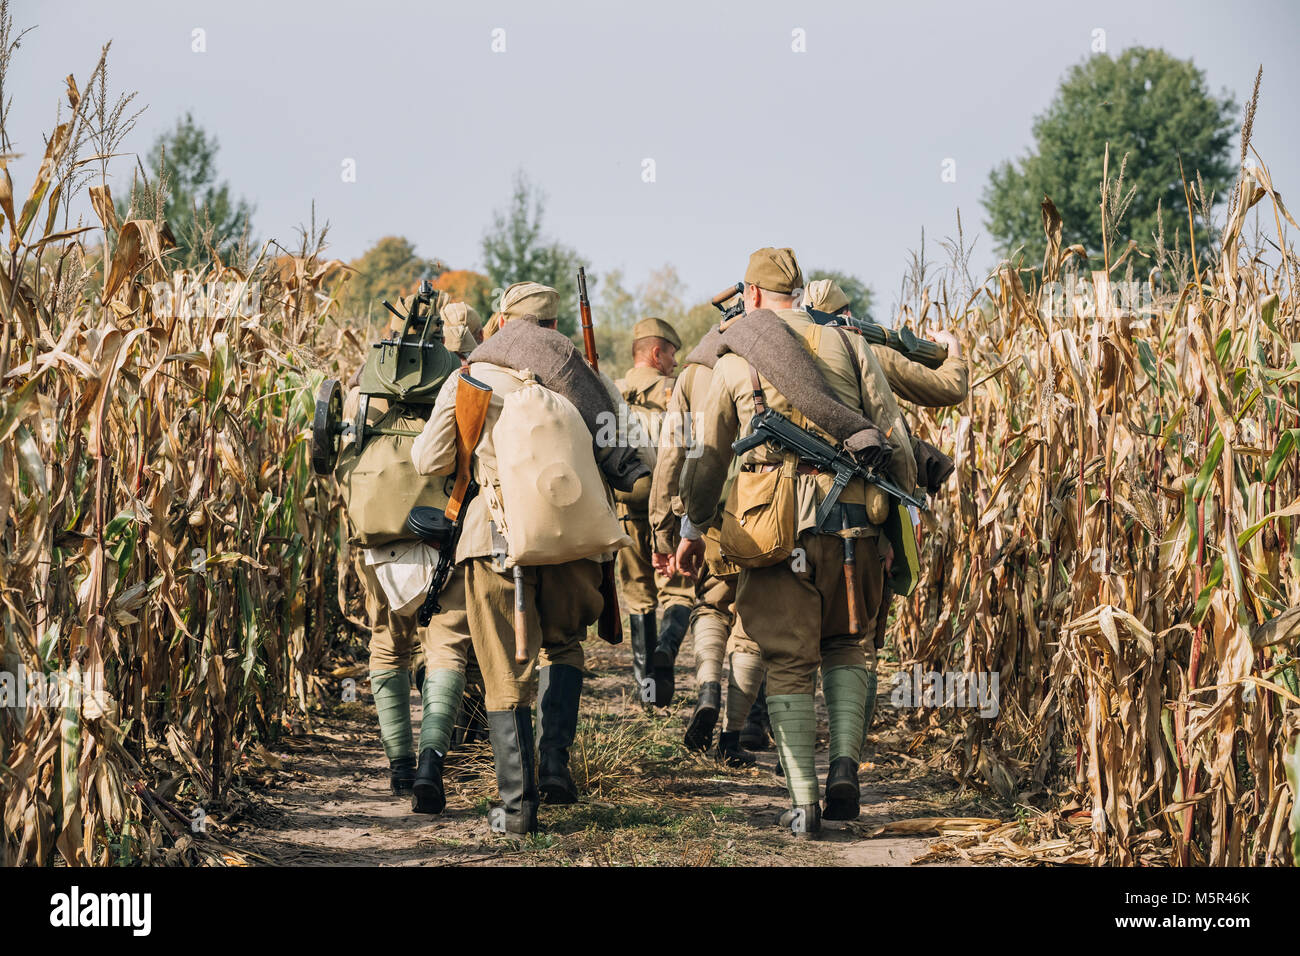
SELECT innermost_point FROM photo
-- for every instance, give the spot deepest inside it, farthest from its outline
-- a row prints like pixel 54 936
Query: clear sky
pixel 837 151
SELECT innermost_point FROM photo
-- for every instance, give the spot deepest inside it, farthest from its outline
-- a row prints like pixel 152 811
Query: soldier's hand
pixel 689 557
pixel 872 448
pixel 663 563
pixel 944 337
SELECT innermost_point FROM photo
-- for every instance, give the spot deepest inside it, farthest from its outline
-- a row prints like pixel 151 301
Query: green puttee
pixel 794 726
pixel 392 691
pixel 442 694
pixel 871 707
pixel 710 635
pixel 846 702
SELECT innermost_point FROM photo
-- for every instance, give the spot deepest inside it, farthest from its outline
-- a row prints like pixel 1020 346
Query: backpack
pixel 380 485
pixel 556 506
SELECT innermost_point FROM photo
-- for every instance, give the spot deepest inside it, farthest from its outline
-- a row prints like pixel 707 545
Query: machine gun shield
pixel 326 427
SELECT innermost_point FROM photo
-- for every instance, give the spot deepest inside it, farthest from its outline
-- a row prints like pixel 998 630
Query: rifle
pixel 737 308
pixel 441 529
pixel 922 351
pixel 588 330
pixel 610 625
pixel 772 426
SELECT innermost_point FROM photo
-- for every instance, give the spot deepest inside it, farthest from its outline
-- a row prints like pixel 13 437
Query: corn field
pixel 1121 544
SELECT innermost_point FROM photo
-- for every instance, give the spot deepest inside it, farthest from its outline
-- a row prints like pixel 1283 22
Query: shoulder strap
pixel 760 404
pixel 853 353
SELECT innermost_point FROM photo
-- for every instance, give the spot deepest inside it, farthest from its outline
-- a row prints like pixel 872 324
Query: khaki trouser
pixel 445 642
pixel 642 589
pixel 716 596
pixel 796 611
pixel 560 602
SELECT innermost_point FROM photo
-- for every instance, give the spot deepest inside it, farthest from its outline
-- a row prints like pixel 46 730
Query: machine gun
pixel 409 368
pixel 772 426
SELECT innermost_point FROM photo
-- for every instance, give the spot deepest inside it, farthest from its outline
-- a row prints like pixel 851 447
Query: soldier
pixel 911 382
pixel 797 610
pixel 559 601
pixel 647 388
pixel 462 329
pixel 379 493
pixel 716 630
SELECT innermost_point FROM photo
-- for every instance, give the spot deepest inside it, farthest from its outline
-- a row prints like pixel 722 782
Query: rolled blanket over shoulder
pixel 706 350
pixel 557 364
pixel 764 340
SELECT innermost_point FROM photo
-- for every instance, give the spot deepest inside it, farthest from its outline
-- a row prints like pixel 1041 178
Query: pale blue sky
pixel 837 151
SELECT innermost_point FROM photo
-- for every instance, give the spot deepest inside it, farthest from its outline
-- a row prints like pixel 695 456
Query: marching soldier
pixel 556 603
pixel 371 476
pixel 647 388
pixel 911 382
pixel 716 630
pixel 797 611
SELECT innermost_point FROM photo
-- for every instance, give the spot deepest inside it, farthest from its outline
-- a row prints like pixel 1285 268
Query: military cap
pixel 824 296
pixel 530 298
pixel 460 325
pixel 657 328
pixel 776 270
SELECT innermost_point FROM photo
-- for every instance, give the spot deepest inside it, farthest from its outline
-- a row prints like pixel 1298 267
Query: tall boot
pixel 794 727
pixel 731 753
pixel 559 690
pixel 392 692
pixel 755 733
pixel 441 693
pixel 512 751
pixel 664 658
pixel 699 735
pixel 644 639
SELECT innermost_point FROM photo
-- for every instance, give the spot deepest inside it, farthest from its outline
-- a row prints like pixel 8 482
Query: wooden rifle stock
pixel 610 625
pixel 588 330
pixel 472 400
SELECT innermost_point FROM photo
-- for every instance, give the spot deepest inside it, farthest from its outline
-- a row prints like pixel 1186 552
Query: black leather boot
pixel 512 750
pixel 803 821
pixel 699 735
pixel 559 690
pixel 427 793
pixel 671 633
pixel 644 639
pixel 401 774
pixel 842 791
pixel 756 733
pixel 731 753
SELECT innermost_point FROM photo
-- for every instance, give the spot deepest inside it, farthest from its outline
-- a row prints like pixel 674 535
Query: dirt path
pixel 321 797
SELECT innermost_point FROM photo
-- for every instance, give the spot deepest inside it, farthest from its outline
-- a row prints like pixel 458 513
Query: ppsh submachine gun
pixel 905 341
pixel 408 368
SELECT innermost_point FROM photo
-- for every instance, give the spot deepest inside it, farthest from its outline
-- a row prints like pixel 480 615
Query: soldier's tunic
pixel 641 587
pixel 797 611
pixel 715 590
pixel 561 601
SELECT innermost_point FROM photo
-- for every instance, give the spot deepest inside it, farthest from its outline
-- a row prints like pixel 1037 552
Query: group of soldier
pixel 507 637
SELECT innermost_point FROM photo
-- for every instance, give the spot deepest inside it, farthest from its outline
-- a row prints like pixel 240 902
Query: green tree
pixel 203 215
pixel 861 298
pixel 515 250
pixel 1153 109
pixel 388 269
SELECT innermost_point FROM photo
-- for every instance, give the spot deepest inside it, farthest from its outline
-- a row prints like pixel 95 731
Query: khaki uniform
pixel 562 601
pixel 445 643
pixel 715 591
pixel 641 587
pixel 797 610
